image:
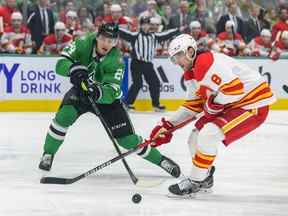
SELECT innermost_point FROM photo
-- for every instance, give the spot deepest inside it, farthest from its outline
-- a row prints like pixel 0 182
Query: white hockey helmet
pixel 229 23
pixel 195 24
pixel 266 33
pixel 59 26
pixel 115 8
pixel 181 44
pixel 71 14
pixel 16 16
pixel 284 35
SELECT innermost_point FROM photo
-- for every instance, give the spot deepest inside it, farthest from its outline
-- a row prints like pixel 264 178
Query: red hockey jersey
pixel 234 84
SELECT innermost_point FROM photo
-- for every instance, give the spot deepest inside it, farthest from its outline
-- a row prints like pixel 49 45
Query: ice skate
pixel 46 161
pixel 170 166
pixel 188 188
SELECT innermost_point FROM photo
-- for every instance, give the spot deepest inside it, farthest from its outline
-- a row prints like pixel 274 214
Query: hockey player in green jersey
pixel 95 60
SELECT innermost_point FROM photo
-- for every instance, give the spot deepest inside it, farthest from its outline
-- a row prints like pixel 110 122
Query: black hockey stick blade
pixel 55 180
pixel 285 88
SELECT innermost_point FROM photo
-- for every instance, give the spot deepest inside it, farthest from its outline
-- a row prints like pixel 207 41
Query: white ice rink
pixel 251 175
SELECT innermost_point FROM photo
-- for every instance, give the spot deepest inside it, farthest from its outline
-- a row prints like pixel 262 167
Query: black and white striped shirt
pixel 144 44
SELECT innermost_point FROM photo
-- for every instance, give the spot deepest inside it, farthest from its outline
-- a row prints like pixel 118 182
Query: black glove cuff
pixel 76 67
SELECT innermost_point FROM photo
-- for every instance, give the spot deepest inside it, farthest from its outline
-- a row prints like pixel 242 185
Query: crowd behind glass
pixel 233 27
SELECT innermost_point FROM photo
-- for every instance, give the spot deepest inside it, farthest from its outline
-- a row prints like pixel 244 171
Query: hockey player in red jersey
pixel 261 45
pixel 282 24
pixel 16 38
pixel 228 99
pixel 53 44
pixel 203 40
pixel 230 42
pixel 280 48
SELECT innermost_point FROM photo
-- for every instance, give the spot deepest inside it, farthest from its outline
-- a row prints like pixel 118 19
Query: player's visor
pixel 174 59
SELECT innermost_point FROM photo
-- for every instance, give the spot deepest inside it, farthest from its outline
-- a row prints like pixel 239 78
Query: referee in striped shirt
pixel 143 45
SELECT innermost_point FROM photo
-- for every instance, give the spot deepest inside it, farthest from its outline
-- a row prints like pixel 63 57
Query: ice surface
pixel 251 176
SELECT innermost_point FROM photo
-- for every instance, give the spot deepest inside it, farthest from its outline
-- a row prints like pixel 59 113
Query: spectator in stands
pixel 99 19
pixel 263 19
pixel 6 11
pixel 232 15
pixel 182 18
pixel 53 44
pixel 69 6
pixel 106 10
pixel 126 10
pixel 151 10
pixel 132 21
pixel 116 16
pixel 261 45
pixel 230 42
pixel 166 16
pixel 282 24
pixel 40 22
pixel 72 24
pixel 280 48
pixel 85 15
pixel 253 26
pixel 160 6
pixel 86 27
pixel 143 45
pixel 202 15
pixel 204 42
pixel 272 16
pixel 138 7
pixel 98 22
pixel 16 38
pixel 155 26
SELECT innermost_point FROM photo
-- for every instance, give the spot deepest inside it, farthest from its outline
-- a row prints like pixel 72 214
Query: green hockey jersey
pixel 107 71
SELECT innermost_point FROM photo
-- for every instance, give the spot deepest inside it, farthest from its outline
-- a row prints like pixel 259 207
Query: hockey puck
pixel 136 198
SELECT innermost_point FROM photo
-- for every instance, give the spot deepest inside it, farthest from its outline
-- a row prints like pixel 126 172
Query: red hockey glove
pixel 157 134
pixel 275 56
pixel 212 109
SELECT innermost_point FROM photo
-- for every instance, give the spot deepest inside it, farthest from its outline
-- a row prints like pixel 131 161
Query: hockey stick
pixel 108 131
pixel 59 180
pixel 285 88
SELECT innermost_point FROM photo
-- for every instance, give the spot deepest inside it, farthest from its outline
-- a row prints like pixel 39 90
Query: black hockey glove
pixel 78 73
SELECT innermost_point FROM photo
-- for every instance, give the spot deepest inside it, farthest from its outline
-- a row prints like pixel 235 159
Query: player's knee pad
pixel 192 141
pixel 66 116
pixel 209 138
pixel 130 141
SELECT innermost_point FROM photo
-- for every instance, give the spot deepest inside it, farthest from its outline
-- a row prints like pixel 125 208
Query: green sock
pixel 51 145
pixel 148 153
pixel 65 117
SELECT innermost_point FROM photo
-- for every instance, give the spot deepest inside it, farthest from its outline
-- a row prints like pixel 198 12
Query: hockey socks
pixel 65 117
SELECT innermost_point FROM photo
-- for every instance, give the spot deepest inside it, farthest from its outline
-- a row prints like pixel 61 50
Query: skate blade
pixel 201 193
pixel 206 191
pixel 179 197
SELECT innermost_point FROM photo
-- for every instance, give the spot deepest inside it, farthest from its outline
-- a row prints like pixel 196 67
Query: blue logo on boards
pixel 9 74
pixel 31 81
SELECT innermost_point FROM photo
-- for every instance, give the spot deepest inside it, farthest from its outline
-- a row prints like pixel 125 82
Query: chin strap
pixel 191 58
